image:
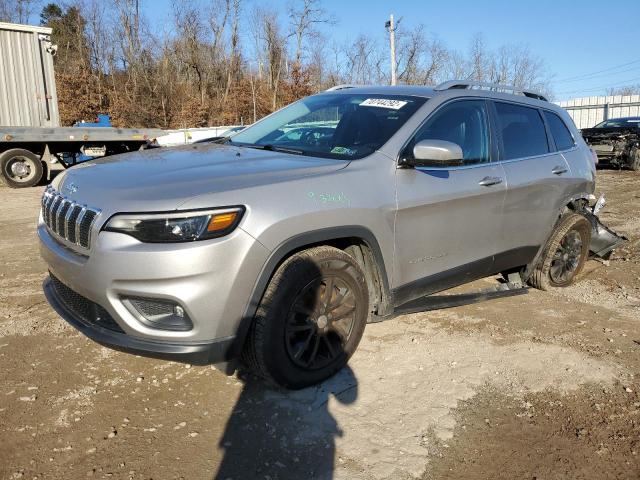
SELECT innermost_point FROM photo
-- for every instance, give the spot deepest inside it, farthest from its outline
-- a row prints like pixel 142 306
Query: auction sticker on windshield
pixel 384 103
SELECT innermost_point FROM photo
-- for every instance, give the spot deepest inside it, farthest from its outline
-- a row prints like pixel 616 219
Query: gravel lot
pixel 544 385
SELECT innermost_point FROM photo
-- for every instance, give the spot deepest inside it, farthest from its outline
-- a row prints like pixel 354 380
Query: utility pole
pixel 389 25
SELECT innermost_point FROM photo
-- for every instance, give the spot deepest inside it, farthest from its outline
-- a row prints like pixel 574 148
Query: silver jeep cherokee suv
pixel 280 244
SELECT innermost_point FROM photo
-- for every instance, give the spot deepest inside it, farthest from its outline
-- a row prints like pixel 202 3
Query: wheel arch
pixel 574 203
pixel 340 237
pixel 578 202
pixel 37 148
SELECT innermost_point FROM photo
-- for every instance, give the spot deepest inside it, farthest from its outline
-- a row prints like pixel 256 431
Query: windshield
pixel 332 125
pixel 619 122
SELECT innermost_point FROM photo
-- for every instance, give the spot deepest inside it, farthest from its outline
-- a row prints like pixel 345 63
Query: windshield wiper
pixel 276 148
pixel 272 148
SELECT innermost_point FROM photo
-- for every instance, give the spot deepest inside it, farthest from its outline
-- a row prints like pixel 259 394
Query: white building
pixel 589 111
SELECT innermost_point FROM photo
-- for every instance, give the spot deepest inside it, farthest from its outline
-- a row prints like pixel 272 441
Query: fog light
pixel 156 313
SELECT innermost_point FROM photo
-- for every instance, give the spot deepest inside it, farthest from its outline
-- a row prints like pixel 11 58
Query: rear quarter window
pixel 560 132
pixel 523 131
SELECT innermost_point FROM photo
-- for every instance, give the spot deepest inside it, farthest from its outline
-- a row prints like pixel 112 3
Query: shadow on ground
pixel 284 434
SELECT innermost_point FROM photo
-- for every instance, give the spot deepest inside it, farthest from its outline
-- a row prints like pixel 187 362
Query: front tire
pixel 20 168
pixel 565 253
pixel 310 320
pixel 634 159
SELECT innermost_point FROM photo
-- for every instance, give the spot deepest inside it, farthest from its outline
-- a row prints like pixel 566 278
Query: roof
pixel 497 90
pixel 16 27
pixel 621 118
pixel 410 90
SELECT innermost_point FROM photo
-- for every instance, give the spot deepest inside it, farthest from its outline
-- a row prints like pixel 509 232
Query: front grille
pixel 68 219
pixel 88 311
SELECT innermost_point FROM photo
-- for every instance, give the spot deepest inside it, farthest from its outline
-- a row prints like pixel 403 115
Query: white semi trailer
pixel 32 143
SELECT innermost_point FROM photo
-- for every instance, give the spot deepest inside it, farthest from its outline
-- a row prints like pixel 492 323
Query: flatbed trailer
pixel 27 154
pixel 32 142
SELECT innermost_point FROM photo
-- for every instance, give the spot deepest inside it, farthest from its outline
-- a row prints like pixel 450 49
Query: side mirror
pixel 434 153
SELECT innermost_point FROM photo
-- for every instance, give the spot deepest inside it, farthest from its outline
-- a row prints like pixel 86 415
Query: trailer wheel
pixel 634 159
pixel 20 168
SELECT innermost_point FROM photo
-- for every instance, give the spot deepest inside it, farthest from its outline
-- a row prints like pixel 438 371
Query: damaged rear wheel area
pixel 603 240
pixel 578 236
pixel 565 253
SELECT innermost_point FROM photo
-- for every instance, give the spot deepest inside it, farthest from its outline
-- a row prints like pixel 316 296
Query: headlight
pixel 176 226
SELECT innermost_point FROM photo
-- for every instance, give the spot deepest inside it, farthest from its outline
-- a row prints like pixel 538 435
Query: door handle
pixel 558 170
pixel 489 181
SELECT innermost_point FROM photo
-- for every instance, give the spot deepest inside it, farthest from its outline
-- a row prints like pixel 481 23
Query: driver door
pixel 449 219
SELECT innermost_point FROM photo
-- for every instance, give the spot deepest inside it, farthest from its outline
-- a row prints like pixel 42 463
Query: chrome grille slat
pixel 47 205
pixel 72 206
pixel 47 198
pixel 60 217
pixel 67 219
pixel 54 213
pixel 85 227
pixel 73 226
pixel 78 223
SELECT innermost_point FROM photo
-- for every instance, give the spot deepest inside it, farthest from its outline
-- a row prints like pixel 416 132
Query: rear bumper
pixel 216 351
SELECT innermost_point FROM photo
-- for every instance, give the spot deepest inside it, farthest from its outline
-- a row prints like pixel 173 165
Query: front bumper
pixel 215 351
pixel 212 280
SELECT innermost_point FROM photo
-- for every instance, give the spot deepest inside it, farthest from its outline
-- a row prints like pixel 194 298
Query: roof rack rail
pixel 495 87
pixel 341 87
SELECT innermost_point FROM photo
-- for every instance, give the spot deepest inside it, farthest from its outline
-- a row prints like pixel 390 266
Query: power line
pixel 601 87
pixel 581 76
pixel 600 75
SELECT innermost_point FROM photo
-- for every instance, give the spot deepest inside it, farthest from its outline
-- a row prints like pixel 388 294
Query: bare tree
pixel 456 66
pixel 363 61
pixel 17 11
pixel 626 90
pixel 216 63
pixel 189 45
pixel 420 59
pixel 270 44
pixel 128 23
pixel 305 16
pixel 512 64
pixel 7 11
pixel 233 65
pixel 479 60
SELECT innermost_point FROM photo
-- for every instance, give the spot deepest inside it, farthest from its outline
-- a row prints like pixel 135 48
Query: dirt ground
pixel 539 386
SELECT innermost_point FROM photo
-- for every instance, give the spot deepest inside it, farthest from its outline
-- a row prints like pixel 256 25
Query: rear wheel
pixel 20 168
pixel 565 253
pixel 310 319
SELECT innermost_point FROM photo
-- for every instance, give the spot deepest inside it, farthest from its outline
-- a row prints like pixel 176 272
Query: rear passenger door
pixel 537 179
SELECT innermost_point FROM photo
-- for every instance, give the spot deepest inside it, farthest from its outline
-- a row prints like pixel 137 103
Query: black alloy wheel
pixel 320 322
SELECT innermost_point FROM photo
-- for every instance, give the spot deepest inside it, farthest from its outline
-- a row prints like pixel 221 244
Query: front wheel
pixel 310 319
pixel 20 168
pixel 634 159
pixel 565 253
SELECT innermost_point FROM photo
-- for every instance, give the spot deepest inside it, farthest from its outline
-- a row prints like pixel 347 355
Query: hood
pixel 609 132
pixel 164 179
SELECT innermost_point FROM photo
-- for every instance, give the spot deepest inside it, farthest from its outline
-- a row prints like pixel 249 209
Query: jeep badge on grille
pixel 71 188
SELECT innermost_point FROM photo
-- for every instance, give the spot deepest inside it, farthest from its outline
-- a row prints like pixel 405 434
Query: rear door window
pixel 523 131
pixel 561 134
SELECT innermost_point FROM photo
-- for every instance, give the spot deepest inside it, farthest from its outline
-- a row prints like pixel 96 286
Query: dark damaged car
pixel 616 142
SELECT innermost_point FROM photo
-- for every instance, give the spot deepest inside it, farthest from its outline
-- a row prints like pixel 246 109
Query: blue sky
pixel 575 38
